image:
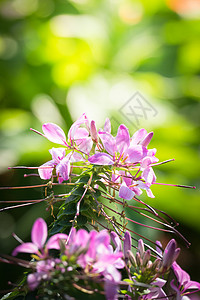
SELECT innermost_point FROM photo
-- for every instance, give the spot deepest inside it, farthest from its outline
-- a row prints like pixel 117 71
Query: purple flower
pixel 184 282
pixel 156 291
pixel 60 162
pixel 170 254
pixel 129 188
pixel 39 237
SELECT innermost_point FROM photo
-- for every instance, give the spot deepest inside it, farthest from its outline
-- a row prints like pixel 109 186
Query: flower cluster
pixel 92 254
pixel 90 146
pixel 90 251
pixel 89 248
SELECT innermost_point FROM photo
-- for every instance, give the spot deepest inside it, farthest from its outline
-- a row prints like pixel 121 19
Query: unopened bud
pixel 146 257
pixel 132 258
pixel 127 243
pixel 93 132
pixel 141 247
pixel 170 254
pixel 138 259
pixel 156 264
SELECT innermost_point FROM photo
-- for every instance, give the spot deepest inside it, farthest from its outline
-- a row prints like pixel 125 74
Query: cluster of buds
pixel 142 260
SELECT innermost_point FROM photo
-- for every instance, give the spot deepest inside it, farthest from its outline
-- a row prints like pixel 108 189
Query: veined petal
pixel 107 126
pixel 135 153
pixel 45 170
pixel 53 242
pixel 192 285
pixel 54 133
pixel 73 129
pixel 125 192
pixel 109 142
pixel 25 248
pixel 57 154
pixel 76 157
pixel 85 144
pixel 149 175
pixel 101 159
pixel 122 138
pixel 63 168
pixel 39 233
pixel 80 133
pixel 138 136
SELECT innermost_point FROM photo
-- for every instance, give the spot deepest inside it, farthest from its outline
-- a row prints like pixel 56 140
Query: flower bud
pixel 138 259
pixel 127 244
pixel 170 254
pixel 93 132
pixel 141 247
pixel 146 258
pixel 132 258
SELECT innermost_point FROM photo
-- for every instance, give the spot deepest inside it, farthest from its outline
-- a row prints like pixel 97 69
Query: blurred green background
pixel 61 58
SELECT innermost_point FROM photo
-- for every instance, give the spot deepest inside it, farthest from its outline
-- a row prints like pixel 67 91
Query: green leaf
pixel 101 184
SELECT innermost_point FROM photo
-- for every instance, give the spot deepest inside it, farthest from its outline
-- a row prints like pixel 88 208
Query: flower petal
pixel 39 233
pixel 107 126
pixel 53 242
pixel 101 159
pixel 138 136
pixel 25 248
pixel 122 138
pixel 135 153
pixel 63 169
pixel 54 133
pixel 125 192
pixel 85 144
pixel 108 141
pixel 57 154
pixel 45 170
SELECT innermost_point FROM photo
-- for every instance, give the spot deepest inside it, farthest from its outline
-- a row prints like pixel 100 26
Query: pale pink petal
pixel 107 126
pixel 149 193
pixel 138 136
pixel 39 233
pixel 54 133
pixel 108 141
pixel 72 131
pixel 53 242
pixel 122 138
pixel 101 159
pixel 76 157
pixel 80 133
pixel 81 238
pixel 57 154
pixel 25 248
pixel 45 170
pixel 85 145
pixel 63 168
pixel 135 153
pixel 125 192
pixel 149 175
pixel 146 162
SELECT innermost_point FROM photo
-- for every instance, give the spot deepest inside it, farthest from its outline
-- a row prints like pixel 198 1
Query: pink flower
pixel 184 282
pixel 60 162
pixel 39 237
